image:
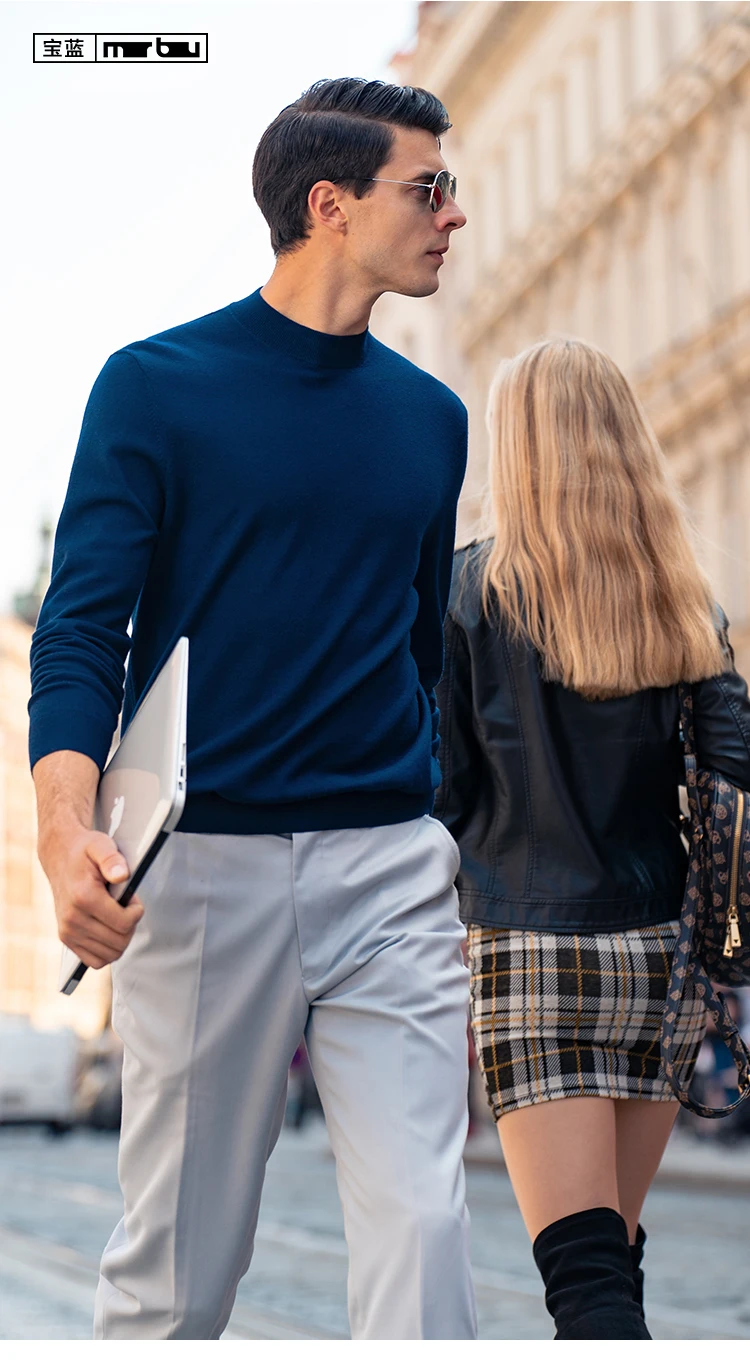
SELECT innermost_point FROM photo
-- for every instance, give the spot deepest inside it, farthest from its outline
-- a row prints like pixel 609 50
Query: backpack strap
pixel 730 1033
pixel 727 1029
pixel 685 964
pixel 685 694
pixel 687 732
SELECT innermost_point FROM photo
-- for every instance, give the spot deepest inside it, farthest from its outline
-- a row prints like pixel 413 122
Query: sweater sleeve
pixel 721 714
pixel 103 546
pixel 433 584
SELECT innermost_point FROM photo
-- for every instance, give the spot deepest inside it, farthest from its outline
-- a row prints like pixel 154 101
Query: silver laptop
pixel 141 793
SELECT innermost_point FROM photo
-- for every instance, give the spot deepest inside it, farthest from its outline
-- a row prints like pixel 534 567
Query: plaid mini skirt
pixel 556 1015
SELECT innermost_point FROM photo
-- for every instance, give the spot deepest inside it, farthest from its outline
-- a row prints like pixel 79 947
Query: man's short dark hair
pixel 339 130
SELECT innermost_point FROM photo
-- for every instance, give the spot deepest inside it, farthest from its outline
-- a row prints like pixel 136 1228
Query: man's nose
pixel 450 216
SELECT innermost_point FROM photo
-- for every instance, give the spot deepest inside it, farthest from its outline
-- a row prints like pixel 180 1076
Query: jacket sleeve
pixel 103 546
pixel 432 584
pixel 721 712
pixel 460 752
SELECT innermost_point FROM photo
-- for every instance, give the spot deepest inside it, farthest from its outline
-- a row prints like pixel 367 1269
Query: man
pixel 278 486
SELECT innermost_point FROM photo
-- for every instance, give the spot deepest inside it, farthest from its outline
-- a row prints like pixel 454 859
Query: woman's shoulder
pixel 465 603
pixel 470 557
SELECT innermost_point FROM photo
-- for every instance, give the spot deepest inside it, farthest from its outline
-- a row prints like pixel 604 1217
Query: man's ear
pixel 325 206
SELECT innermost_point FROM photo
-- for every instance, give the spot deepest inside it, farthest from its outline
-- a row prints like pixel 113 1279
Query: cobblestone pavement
pixel 59 1202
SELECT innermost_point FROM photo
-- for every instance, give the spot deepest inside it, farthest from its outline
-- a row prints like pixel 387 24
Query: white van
pixel 37 1074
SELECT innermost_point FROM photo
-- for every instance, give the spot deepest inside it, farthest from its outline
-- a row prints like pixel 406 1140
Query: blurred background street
pixel 60 1201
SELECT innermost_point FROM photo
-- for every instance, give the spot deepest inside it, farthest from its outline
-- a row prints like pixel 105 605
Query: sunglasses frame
pixel 422 184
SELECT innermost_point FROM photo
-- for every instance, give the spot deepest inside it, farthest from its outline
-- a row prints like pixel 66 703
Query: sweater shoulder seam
pixel 157 420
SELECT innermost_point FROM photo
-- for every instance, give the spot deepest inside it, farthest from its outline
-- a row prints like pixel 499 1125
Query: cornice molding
pixel 651 129
pixel 444 68
pixel 683 386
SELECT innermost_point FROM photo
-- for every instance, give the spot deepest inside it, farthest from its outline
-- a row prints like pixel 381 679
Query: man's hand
pixel 89 920
pixel 79 862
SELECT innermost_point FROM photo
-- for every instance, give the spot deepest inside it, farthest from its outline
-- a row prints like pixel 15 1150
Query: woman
pixel 567 633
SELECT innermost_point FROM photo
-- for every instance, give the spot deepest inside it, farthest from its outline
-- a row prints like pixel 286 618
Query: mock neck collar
pixel 318 349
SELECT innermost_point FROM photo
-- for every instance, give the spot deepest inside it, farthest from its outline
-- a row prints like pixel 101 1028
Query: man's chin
pixel 421 288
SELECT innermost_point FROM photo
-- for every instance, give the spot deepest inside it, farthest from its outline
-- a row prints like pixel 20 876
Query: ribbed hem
pixel 54 726
pixel 212 814
pixel 566 916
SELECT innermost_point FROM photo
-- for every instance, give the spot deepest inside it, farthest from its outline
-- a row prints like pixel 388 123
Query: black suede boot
pixel 584 1260
pixel 636 1255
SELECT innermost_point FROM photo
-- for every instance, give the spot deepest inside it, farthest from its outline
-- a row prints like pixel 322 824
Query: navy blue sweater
pixel 286 499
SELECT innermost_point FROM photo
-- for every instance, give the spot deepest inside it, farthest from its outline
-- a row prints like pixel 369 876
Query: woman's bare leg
pixel 561 1156
pixel 642 1131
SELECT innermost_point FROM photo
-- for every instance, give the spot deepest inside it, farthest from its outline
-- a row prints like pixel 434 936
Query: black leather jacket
pixel 566 810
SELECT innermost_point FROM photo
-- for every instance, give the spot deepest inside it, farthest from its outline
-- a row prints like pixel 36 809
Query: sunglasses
pixel 443 187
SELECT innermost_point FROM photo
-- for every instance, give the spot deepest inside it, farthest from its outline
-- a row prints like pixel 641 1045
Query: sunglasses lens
pixel 443 188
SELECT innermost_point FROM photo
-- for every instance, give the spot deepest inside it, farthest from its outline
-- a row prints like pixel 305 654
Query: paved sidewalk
pixel 59 1201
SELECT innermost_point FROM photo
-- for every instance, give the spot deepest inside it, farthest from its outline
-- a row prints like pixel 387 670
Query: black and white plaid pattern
pixel 563 1014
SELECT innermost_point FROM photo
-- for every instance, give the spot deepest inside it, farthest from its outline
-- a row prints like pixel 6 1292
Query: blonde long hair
pixel 591 560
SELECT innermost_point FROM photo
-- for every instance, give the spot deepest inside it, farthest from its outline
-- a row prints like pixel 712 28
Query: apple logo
pixel 115 819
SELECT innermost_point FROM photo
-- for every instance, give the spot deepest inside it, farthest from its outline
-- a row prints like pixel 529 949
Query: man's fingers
pixel 85 934
pixel 91 954
pixel 103 928
pixel 106 856
pixel 89 958
pixel 92 903
pixel 121 918
pixel 77 929
pixel 90 921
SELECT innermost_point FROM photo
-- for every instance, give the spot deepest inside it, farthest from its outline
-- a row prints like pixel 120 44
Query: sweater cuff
pixel 55 726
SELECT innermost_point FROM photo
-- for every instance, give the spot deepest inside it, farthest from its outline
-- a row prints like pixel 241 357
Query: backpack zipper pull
pixel 733 936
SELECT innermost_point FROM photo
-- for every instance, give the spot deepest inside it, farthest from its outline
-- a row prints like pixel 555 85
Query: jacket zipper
pixel 733 936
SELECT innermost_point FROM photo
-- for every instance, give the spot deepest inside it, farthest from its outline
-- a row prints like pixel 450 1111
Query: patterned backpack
pixel 713 944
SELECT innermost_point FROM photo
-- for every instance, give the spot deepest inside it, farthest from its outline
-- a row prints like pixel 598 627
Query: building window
pixel 733 535
pixel 595 76
pixel 665 28
pixel 499 227
pixel 562 138
pixel 478 227
pixel 719 262
pixel 548 169
pixel 609 73
pixel 532 141
pixel 519 176
pixel 673 236
pixel 543 292
pixel 603 300
pixel 638 308
pixel 710 12
pixel 627 82
pixel 579 110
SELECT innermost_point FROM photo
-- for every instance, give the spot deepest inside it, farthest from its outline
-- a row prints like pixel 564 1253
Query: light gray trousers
pixel 352 939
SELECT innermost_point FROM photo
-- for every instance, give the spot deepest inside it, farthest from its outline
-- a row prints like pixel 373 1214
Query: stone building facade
pixel 603 159
pixel 29 946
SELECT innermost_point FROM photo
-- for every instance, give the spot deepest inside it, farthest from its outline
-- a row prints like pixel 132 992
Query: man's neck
pixel 307 293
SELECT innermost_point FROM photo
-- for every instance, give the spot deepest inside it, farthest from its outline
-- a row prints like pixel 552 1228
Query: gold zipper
pixel 733 936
